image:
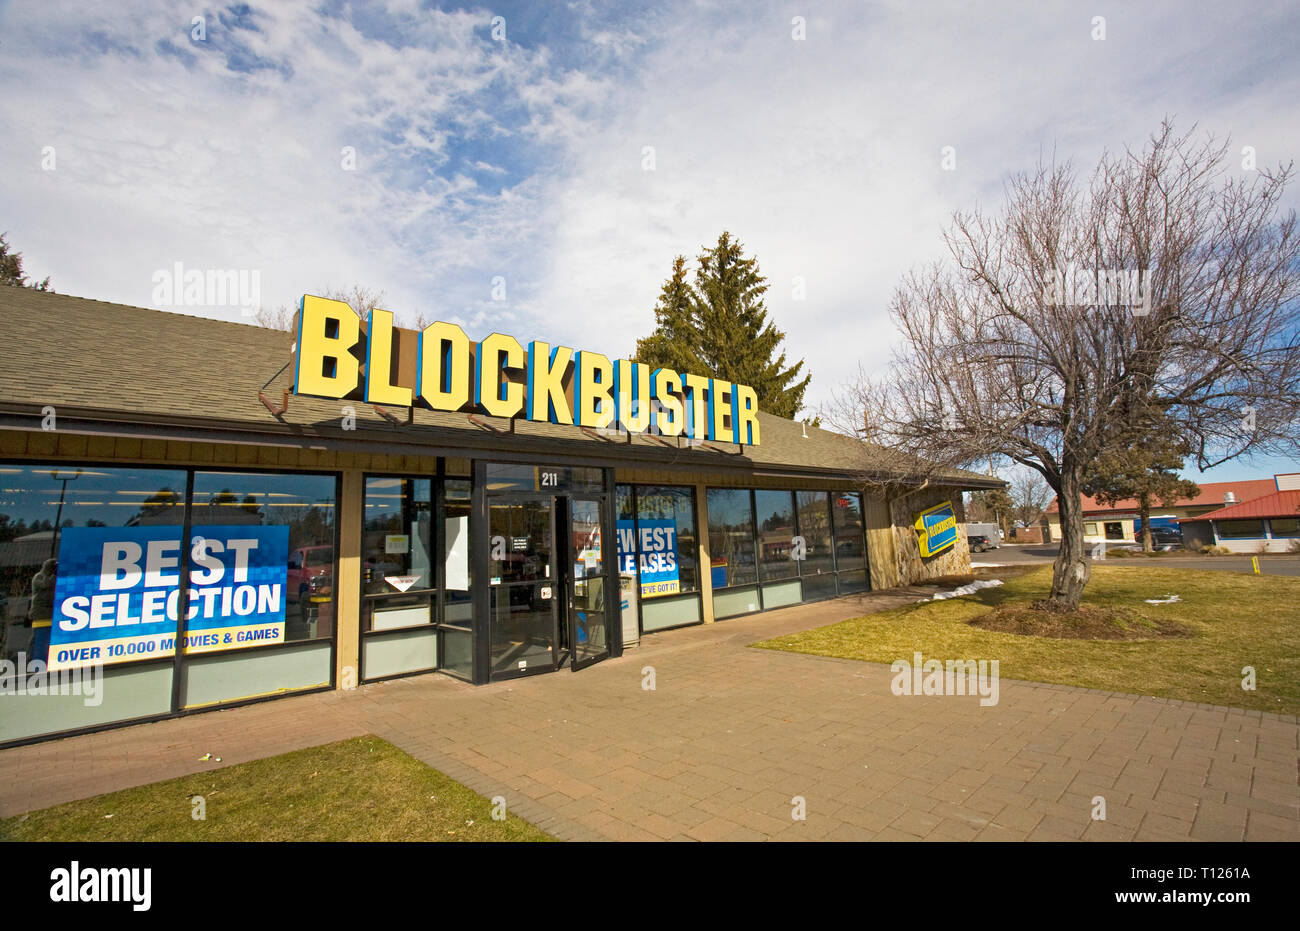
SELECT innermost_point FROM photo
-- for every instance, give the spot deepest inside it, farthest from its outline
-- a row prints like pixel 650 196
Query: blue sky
pixel 524 158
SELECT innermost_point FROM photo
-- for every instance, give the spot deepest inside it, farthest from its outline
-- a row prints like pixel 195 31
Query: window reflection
pixel 731 536
pixel 301 503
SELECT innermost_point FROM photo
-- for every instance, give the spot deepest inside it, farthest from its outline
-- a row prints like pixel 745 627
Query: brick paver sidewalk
pixel 730 736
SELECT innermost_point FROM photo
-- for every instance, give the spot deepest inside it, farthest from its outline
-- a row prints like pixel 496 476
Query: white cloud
pixel 159 161
pixel 821 156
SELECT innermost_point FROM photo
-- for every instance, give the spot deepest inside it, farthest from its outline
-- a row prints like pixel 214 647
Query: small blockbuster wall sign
pixel 339 356
pixel 936 529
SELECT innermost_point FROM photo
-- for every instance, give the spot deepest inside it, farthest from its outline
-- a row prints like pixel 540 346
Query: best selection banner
pixel 653 551
pixel 119 587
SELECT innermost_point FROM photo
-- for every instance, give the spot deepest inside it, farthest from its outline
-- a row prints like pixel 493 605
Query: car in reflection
pixel 311 570
pixel 979 543
pixel 1162 537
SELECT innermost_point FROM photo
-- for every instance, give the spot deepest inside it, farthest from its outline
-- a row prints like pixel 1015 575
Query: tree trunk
pixel 1073 568
pixel 1144 510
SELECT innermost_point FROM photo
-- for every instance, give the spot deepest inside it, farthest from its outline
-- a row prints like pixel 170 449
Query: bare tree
pixel 361 299
pixel 279 319
pixel 1030 495
pixel 1194 272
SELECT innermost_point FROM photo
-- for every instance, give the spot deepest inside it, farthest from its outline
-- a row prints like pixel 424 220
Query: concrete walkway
pixel 730 736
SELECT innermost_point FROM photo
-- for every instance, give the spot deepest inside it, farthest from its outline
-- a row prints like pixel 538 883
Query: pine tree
pixel 11 269
pixel 993 506
pixel 719 325
pixel 674 341
pixel 1142 465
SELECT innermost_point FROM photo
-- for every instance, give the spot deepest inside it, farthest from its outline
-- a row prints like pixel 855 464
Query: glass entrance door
pixel 526 630
pixel 547 572
pixel 585 585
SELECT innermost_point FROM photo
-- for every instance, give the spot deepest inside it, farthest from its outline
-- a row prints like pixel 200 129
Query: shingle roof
pixel 113 363
pixel 1278 504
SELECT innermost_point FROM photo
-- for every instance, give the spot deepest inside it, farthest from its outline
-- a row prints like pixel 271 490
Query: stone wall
pixel 911 568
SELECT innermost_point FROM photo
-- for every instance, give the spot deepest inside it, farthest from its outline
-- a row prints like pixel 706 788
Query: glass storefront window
pixel 850 538
pixel 660 545
pixel 89 563
pixel 397 571
pixel 267 530
pixel 91 567
pixel 814 527
pixel 731 537
pixel 825 528
pixel 457 609
pixel 818 566
pixel 777 552
pixel 1285 526
pixel 402 585
pixel 1236 529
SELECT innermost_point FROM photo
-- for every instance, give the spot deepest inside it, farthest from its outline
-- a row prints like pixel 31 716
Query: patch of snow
pixel 1167 600
pixel 968 589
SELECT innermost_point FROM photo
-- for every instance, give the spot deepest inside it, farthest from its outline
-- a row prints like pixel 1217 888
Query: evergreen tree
pixel 719 325
pixel 1142 465
pixel 993 506
pixel 11 269
pixel 676 339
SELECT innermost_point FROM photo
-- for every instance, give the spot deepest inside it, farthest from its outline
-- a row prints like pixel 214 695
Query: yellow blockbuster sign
pixel 338 355
pixel 936 529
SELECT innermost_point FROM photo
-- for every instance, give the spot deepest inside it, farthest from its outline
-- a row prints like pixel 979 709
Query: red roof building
pixel 1253 515
pixel 1267 524
pixel 1213 495
pixel 1280 504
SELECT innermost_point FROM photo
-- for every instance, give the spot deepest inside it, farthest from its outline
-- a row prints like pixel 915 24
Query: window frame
pixel 179 657
pixel 697 593
pixel 835 572
pixel 1261 535
pixel 1286 534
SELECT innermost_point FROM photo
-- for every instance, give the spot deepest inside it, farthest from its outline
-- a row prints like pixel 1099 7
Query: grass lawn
pixel 359 789
pixel 1235 620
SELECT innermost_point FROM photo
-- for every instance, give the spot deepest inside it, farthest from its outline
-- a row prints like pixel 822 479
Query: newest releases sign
pixel 339 356
pixel 651 552
pixel 936 529
pixel 118 591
